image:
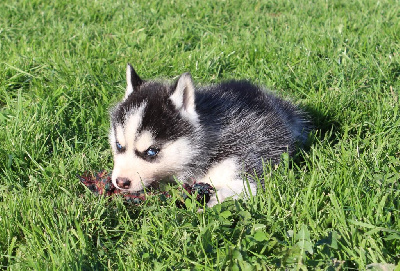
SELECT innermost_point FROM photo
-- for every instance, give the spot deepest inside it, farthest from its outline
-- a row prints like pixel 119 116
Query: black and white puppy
pixel 211 134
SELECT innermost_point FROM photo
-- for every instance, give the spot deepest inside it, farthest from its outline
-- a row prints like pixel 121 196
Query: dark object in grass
pixel 101 184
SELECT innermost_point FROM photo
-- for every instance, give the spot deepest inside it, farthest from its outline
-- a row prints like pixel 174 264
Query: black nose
pixel 123 183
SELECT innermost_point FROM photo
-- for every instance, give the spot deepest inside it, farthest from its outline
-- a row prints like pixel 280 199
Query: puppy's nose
pixel 123 183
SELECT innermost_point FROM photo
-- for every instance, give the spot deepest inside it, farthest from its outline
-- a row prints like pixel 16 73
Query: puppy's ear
pixel 133 81
pixel 183 97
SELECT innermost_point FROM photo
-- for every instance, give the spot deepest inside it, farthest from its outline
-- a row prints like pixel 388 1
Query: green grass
pixel 62 66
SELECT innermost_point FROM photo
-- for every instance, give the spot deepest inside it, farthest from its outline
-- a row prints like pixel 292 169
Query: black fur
pixel 241 120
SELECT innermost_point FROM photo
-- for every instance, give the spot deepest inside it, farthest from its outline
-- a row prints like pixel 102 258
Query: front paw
pixel 214 200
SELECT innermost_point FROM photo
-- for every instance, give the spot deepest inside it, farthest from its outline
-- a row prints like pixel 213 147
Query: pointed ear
pixel 133 81
pixel 183 97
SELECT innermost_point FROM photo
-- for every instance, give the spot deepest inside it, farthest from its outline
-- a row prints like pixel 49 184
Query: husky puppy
pixel 211 134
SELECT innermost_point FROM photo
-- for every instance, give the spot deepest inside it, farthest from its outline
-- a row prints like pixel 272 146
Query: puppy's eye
pixel 119 147
pixel 152 152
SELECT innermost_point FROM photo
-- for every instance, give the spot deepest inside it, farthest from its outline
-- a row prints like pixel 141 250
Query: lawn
pixel 335 205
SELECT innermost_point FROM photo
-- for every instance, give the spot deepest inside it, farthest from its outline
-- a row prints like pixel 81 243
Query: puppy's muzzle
pixel 123 183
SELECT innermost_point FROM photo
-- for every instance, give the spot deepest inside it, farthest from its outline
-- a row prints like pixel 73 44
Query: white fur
pixel 144 141
pixel 112 139
pixel 119 136
pixel 129 87
pixel 183 98
pixel 132 123
pixel 226 179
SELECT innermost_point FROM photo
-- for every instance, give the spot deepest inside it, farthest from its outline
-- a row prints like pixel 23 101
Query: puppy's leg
pixel 225 178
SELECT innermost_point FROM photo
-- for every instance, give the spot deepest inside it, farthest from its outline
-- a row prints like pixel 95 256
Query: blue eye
pixel 152 152
pixel 119 146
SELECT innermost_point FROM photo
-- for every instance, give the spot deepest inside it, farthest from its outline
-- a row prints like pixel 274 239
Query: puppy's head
pixel 151 130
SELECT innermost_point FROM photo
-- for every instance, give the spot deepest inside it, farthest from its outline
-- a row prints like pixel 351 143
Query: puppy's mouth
pixel 155 184
pixel 126 186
